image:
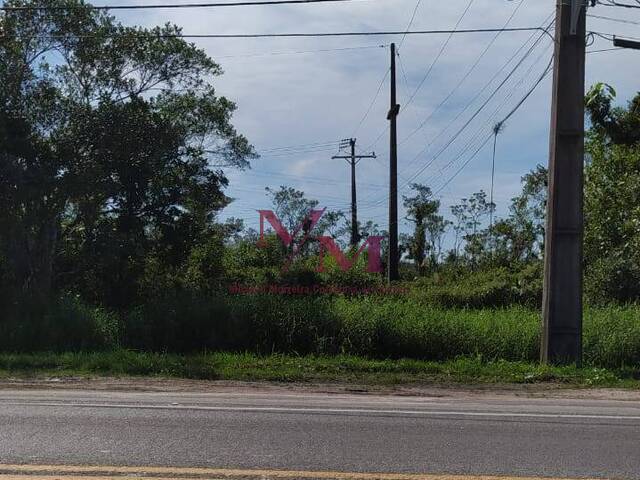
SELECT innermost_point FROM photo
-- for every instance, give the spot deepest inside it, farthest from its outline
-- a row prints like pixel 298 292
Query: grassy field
pixel 370 340
pixel 370 327
pixel 287 368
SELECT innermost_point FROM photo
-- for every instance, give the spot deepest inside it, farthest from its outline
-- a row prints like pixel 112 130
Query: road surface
pixel 314 432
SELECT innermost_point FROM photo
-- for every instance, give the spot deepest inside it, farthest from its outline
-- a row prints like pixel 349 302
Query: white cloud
pixel 315 97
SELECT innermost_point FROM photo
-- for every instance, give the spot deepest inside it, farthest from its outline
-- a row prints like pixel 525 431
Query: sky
pixel 298 97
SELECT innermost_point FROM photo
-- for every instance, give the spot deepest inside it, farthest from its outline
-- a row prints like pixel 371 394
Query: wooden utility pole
pixel 353 160
pixel 562 293
pixel 393 260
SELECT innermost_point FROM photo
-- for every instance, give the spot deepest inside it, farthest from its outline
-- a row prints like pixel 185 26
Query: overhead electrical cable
pixel 464 78
pixel 492 120
pixel 611 19
pixel 617 49
pixel 373 102
pixel 613 3
pixel 301 146
pixel 501 122
pixel 145 35
pixel 438 56
pixel 386 129
pixel 486 102
pixel 612 36
pixel 299 52
pixel 28 8
pixel 480 92
pixel 476 113
pixel 413 16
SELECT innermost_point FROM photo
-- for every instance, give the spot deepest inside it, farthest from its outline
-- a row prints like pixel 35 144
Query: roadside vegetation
pixel 114 157
pixel 339 369
pixel 376 328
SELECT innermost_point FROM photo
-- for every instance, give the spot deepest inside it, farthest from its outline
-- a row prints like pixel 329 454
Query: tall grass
pixel 372 327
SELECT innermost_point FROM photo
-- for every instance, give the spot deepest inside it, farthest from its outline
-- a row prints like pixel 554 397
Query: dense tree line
pixel 113 151
pixel 611 208
pixel 112 143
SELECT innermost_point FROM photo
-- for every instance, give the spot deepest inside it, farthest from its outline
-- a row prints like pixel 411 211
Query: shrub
pixel 491 288
pixel 615 278
pixel 287 323
pixel 65 325
pixel 181 323
pixel 369 326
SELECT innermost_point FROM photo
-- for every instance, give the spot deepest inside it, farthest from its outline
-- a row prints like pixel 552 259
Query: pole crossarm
pixel 353 160
pixel 621 42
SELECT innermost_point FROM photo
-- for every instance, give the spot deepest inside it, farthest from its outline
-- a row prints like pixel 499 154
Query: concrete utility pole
pixel 393 273
pixel 353 160
pixel 562 293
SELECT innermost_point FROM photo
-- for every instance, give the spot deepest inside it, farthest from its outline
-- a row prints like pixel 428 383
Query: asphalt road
pixel 500 435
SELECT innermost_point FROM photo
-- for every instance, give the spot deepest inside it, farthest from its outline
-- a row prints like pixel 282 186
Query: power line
pixel 381 134
pixel 502 122
pixel 613 3
pixel 304 178
pixel 404 73
pixel 163 6
pixel 402 69
pixel 304 145
pixel 606 50
pixel 300 52
pixel 435 60
pixel 145 35
pixel 524 99
pixel 406 85
pixel 611 36
pixel 373 102
pixel 477 96
pixel 493 117
pixel 413 16
pixel 496 130
pixel 464 78
pixel 296 152
pixel 484 104
pixel 611 19
pixel 474 137
pixel 475 154
pixel 378 138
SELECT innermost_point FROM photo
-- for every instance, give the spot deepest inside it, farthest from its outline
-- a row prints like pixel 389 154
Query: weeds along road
pixel 464 434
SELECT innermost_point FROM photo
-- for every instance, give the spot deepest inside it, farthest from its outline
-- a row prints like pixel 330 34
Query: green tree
pixel 429 227
pixel 108 134
pixel 612 199
pixel 291 206
pixel 520 236
pixel 469 215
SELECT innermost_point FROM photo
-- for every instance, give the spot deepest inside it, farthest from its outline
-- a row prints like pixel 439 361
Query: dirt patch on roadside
pixel 159 384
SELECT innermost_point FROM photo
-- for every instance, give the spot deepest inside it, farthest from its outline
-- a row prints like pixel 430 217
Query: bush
pixel 181 323
pixel 65 325
pixel 371 326
pixel 615 278
pixel 291 324
pixel 492 288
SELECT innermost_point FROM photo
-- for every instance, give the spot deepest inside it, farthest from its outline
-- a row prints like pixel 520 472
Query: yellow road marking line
pixel 70 472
